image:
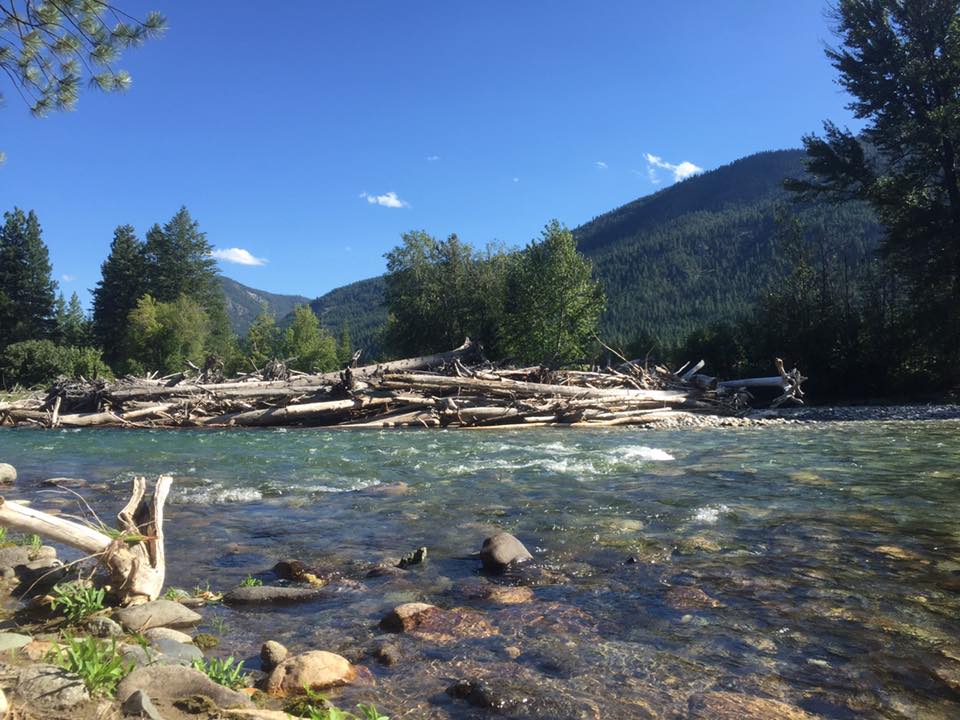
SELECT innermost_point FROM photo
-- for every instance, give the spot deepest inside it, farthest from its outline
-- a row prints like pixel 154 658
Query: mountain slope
pixel 244 303
pixel 360 306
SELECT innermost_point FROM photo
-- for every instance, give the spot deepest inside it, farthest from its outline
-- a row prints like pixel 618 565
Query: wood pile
pixel 449 389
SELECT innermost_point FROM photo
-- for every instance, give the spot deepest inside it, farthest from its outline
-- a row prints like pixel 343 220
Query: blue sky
pixel 311 134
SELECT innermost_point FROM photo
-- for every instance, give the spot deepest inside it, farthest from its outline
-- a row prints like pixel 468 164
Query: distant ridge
pixel 244 303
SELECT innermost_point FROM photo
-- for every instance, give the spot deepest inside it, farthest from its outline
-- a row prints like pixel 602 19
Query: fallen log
pixel 133 554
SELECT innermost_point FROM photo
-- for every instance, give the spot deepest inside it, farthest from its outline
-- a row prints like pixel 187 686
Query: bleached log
pixel 134 556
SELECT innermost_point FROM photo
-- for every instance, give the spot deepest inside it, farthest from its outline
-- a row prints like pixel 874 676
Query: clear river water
pixel 817 565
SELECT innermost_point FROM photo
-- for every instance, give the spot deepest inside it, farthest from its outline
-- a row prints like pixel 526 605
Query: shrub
pixel 33 362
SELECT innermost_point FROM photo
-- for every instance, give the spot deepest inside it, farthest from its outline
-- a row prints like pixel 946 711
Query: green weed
pixel 175 593
pixel 226 672
pixel 78 602
pixel 315 706
pixel 99 664
pixel 251 581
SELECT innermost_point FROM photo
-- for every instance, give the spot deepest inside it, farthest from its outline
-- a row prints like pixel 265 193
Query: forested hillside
pixel 244 304
pixel 690 255
pixel 700 251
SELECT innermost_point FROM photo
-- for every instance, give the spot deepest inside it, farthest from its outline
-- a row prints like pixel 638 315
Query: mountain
pixel 697 252
pixel 244 303
pixel 702 250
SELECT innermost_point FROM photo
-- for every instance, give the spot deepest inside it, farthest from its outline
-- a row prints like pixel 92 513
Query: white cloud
pixel 600 165
pixel 389 200
pixel 681 171
pixel 68 278
pixel 238 256
pixel 432 158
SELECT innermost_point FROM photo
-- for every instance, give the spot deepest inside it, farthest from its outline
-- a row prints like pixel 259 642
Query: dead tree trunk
pixel 133 555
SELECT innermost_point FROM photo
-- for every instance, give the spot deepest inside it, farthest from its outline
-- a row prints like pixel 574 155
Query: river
pixel 818 565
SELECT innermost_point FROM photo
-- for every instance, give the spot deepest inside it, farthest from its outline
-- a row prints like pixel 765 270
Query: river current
pixel 817 565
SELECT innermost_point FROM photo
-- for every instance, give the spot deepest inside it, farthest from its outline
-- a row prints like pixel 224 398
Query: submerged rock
pixel 52 687
pixel 501 550
pixel 518 700
pixel 494 593
pixel 316 670
pixel 735 706
pixel 159 613
pixel 407 616
pixel 173 682
pixel 272 594
pixel 687 597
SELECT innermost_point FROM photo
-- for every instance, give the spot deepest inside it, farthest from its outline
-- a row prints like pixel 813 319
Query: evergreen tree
pixel 311 347
pixel 122 283
pixel 262 340
pixel 901 63
pixel 73 326
pixel 553 302
pixel 25 282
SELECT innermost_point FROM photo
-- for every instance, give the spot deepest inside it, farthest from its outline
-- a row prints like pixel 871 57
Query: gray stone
pixel 140 705
pixel 159 613
pixel 140 656
pixel 104 627
pixel 269 594
pixel 157 633
pixel 272 654
pixel 172 682
pixel 12 641
pixel 39 576
pixel 173 652
pixel 10 557
pixel 8 474
pixel 51 687
pixel 501 550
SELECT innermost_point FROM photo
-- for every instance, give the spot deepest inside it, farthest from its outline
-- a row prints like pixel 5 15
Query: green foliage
pixel 226 672
pixel 900 61
pixel 46 48
pixel 251 581
pixel 310 346
pixel 263 339
pixel 27 290
pixel 122 283
pixel 33 362
pixel 554 302
pixel 72 325
pixel 344 345
pixel 244 304
pixel 175 593
pixel 99 664
pixel 362 305
pixel 77 601
pixel 164 335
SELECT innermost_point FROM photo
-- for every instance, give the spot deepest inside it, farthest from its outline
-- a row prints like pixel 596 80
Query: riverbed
pixel 817 565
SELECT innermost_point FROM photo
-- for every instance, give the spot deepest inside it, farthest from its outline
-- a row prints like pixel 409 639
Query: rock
pixel 498 594
pixel 67 482
pixel 51 687
pixel 257 714
pixel 687 597
pixel 8 474
pixel 37 650
pixel 140 705
pixel 386 569
pixel 270 594
pixel 174 652
pixel 416 557
pixel 13 641
pixel 406 617
pixel 139 656
pixel 104 627
pixel 272 654
pixel 159 613
pixel 173 682
pixel 734 706
pixel 158 633
pixel 430 623
pixel 39 576
pixel 290 570
pixel 11 557
pixel 387 653
pixel 500 551
pixel 517 700
pixel 315 670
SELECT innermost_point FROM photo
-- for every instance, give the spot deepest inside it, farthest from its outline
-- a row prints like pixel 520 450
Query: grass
pixel 227 672
pixel 99 664
pixel 251 581
pixel 218 624
pixel 77 602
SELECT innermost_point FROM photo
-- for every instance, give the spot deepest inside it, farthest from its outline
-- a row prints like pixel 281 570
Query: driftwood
pixel 443 390
pixel 133 554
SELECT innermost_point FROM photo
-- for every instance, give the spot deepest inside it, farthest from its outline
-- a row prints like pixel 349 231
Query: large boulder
pixel 272 654
pixel 8 474
pixel 315 670
pixel 52 687
pixel 173 682
pixel 159 613
pixel 502 550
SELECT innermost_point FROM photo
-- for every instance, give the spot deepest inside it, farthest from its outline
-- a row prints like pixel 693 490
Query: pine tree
pixel 344 345
pixel 122 283
pixel 73 326
pixel 263 337
pixel 25 282
pixel 311 346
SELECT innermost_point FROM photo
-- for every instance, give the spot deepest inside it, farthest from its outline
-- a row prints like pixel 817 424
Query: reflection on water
pixel 816 565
